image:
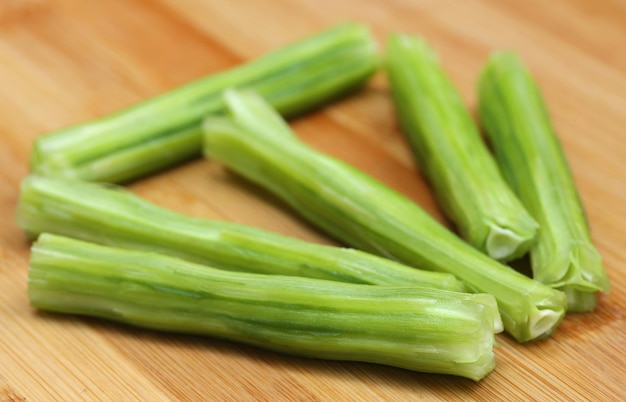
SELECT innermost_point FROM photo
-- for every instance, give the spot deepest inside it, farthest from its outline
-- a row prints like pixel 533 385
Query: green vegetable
pixel 366 214
pixel 518 124
pixel 410 327
pixel 166 130
pixel 452 154
pixel 114 216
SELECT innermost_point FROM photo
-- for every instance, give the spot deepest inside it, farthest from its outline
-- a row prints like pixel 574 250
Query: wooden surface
pixel 66 61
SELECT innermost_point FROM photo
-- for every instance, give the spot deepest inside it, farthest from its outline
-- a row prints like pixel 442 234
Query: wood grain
pixel 67 61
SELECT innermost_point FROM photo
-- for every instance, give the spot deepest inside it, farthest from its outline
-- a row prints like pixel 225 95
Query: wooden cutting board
pixel 67 61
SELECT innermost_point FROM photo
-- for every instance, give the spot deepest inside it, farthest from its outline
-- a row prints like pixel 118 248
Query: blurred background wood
pixel 67 61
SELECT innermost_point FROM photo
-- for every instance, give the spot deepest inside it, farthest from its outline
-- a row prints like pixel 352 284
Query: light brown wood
pixel 67 61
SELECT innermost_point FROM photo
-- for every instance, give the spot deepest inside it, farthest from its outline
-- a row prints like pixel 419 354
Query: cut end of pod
pixel 504 244
pixel 577 267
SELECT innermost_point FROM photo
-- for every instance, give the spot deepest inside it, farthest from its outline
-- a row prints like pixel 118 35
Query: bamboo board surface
pixel 67 61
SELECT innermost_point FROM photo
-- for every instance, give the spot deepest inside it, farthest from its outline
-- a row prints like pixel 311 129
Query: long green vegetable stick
pixel 114 216
pixel 452 154
pixel 410 327
pixel 367 214
pixel 166 130
pixel 518 124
